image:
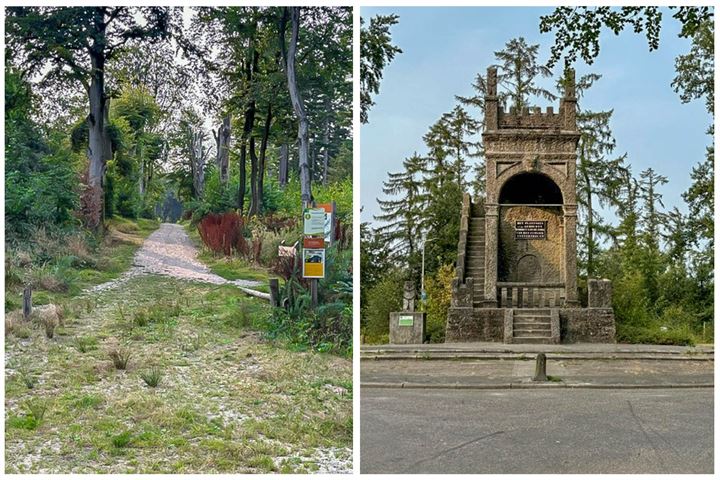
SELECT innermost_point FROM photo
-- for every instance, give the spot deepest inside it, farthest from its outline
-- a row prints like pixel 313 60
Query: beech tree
pixel 288 54
pixel 77 44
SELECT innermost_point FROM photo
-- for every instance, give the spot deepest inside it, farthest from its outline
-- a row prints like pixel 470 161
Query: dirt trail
pixel 169 251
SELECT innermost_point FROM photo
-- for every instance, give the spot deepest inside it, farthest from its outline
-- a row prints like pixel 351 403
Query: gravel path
pixel 169 251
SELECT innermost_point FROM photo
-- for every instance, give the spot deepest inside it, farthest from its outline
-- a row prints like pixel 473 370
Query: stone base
pixel 407 334
pixel 475 325
pixel 587 325
pixel 569 325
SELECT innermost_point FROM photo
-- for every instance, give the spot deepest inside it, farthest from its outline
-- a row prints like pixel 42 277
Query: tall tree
pixel 402 214
pixel 598 173
pixel 289 57
pixel 76 44
pixel 376 52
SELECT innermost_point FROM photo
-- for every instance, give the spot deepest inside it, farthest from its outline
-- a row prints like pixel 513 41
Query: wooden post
pixel 540 368
pixel 274 292
pixel 27 302
pixel 314 292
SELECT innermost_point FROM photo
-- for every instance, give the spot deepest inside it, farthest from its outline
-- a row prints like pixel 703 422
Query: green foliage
pixel 217 198
pixel 152 376
pixel 40 181
pixel 36 409
pixel 85 344
pixel 439 295
pixel 122 440
pixel 577 29
pixel 384 297
pixel 287 202
pixel 376 52
pixel 329 327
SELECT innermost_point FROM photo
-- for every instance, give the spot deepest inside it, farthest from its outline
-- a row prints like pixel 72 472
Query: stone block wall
pixel 587 325
pixel 475 325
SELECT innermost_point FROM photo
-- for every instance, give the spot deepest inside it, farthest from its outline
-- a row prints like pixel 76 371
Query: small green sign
pixel 405 320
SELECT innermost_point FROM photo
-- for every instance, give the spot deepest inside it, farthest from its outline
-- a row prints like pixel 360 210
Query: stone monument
pixel 407 326
pixel 516 272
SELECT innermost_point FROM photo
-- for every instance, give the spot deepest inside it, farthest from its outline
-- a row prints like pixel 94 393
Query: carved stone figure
pixel 409 297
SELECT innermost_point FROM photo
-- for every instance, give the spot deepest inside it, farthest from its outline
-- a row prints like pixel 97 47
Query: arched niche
pixel 530 189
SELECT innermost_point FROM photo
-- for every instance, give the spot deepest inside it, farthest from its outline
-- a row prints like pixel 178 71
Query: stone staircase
pixel 532 325
pixel 475 253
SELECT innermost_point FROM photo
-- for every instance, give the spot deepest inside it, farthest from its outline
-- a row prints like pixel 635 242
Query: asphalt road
pixel 536 431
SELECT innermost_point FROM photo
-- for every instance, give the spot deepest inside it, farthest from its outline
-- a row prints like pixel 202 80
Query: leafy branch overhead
pixel 578 29
pixel 376 52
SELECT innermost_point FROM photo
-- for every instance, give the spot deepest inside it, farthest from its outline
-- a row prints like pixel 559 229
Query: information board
pixel 530 230
pixel 313 262
pixel 405 320
pixel 314 222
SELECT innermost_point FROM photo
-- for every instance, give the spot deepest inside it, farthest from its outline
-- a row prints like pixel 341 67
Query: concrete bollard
pixel 540 368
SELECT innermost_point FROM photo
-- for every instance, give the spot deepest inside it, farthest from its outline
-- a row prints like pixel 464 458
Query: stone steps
pixel 532 325
pixel 475 253
pixel 534 340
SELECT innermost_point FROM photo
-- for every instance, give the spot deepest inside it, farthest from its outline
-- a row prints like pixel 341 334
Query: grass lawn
pixel 225 400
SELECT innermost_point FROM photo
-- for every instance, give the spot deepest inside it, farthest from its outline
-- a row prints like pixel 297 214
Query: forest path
pixel 169 251
pixel 227 400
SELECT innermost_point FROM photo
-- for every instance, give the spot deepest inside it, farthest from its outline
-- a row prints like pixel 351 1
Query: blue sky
pixel 444 49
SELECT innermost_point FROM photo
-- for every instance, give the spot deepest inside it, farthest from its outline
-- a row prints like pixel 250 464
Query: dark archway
pixel 531 189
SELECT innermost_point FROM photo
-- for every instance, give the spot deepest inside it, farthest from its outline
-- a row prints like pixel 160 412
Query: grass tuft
pixel 85 344
pixel 120 357
pixel 122 440
pixel 36 409
pixel 152 377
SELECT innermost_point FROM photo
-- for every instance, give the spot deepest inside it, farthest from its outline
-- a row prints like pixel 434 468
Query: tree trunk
pixel 241 186
pixel 253 179
pixel 326 141
pixel 222 147
pixel 590 227
pixel 298 107
pixel 250 67
pixel 284 164
pixel 99 148
pixel 197 160
pixel 263 154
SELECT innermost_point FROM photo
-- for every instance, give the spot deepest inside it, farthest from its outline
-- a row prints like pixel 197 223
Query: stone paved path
pixel 169 251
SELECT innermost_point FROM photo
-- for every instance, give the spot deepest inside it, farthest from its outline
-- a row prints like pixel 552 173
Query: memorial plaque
pixel 405 320
pixel 530 230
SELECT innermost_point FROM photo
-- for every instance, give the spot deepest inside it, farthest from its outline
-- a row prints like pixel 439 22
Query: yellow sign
pixel 313 262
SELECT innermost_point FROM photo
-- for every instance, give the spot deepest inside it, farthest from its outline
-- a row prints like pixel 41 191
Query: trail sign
pixel 313 262
pixel 314 222
pixel 329 221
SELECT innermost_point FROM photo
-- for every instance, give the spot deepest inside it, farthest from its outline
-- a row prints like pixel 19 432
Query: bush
pixel 439 295
pixel 655 335
pixel 384 297
pixel 223 233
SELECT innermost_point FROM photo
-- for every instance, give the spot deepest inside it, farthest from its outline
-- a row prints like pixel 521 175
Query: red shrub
pixel 277 224
pixel 223 232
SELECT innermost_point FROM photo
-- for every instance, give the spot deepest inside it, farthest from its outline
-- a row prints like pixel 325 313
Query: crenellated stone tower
pixel 516 272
